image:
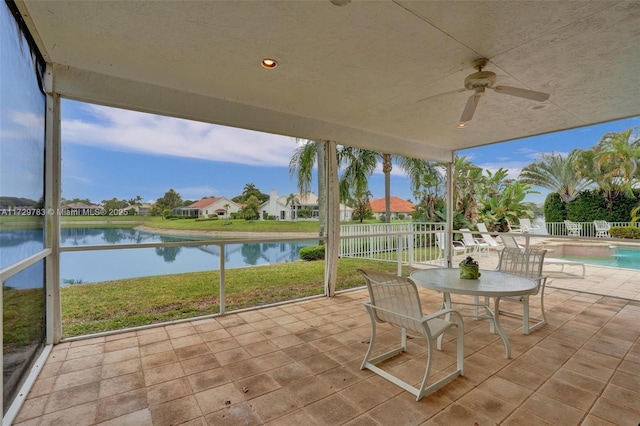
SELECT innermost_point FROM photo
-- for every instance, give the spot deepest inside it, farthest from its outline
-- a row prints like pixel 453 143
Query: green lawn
pixel 112 305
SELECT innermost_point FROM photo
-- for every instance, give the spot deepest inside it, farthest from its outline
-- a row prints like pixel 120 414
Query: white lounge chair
pixel 395 301
pixel 456 247
pixel 512 228
pixel 527 226
pixel 527 263
pixel 573 229
pixel 487 237
pixel 478 245
pixel 602 228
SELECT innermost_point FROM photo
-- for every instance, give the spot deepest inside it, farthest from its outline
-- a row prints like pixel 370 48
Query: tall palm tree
pixel 557 173
pixel 301 165
pixel 361 163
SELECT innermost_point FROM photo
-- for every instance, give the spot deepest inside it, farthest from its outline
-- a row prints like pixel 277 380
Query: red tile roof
pixel 205 202
pixel 398 205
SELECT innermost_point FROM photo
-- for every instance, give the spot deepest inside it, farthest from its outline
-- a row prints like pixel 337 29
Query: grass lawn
pixel 112 305
pixel 23 317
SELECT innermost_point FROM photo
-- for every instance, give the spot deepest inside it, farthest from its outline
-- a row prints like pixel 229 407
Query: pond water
pixel 104 265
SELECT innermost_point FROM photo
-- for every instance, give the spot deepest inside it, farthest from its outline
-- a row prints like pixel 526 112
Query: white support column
pixel 447 251
pixel 52 204
pixel 332 247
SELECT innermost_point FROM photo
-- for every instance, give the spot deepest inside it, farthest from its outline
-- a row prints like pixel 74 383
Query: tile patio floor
pixel 299 364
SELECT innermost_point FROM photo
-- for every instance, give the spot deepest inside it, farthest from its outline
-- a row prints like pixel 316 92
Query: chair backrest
pixel 525 224
pixel 524 262
pixel 396 298
pixel 509 241
pixel 486 236
pixel 601 225
pixel 572 226
pixel 467 238
pixel 440 240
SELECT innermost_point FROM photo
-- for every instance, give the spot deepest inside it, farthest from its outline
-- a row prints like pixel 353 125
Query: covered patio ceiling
pixel 356 73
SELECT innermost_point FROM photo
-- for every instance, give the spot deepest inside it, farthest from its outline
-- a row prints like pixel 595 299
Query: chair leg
pixel 525 315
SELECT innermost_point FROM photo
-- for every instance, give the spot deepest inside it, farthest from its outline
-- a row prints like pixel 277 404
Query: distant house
pixel 399 208
pixel 144 209
pixel 208 207
pixel 81 209
pixel 284 208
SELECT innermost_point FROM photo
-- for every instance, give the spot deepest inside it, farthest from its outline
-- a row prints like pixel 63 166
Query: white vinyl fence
pixel 407 242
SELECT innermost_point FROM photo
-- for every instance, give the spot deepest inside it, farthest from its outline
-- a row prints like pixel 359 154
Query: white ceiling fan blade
pixel 470 108
pixel 522 93
pixel 441 94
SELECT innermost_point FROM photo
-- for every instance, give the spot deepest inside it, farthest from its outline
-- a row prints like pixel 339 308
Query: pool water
pixel 623 257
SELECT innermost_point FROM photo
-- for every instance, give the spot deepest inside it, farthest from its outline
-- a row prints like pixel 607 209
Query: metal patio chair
pixel 395 301
pixel 573 229
pixel 527 263
pixel 602 228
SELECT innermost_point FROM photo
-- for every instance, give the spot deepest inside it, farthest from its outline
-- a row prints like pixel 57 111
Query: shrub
pixel 555 210
pixel 312 253
pixel 625 232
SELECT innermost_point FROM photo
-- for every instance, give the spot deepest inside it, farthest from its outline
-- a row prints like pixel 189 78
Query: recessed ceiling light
pixel 269 63
pixel 461 125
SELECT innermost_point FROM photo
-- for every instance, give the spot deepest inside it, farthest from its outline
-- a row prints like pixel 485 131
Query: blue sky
pixel 110 153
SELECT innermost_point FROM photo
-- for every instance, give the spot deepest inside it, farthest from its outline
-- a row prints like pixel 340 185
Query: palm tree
pixel 361 163
pixel 557 173
pixel 226 210
pixel 612 164
pixel 292 200
pixel 301 166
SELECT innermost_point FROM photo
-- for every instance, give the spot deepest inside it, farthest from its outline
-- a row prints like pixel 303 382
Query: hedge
pixel 625 232
pixel 312 253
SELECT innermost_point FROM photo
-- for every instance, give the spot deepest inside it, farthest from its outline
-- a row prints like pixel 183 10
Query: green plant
pixel 630 232
pixel 555 210
pixel 312 253
pixel 635 214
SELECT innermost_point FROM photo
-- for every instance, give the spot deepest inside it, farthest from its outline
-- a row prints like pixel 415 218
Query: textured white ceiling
pixel 354 73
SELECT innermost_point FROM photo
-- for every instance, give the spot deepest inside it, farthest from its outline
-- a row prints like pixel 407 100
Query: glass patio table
pixel 491 285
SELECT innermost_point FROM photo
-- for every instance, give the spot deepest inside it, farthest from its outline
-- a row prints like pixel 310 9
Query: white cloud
pixel 131 131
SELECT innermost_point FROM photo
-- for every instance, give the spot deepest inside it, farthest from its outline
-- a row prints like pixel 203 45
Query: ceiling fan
pixel 482 80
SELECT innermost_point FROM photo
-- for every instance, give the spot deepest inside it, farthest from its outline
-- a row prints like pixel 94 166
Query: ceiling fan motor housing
pixel 480 79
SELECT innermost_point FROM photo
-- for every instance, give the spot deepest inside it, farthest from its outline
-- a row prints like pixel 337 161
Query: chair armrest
pixel 458 243
pixel 441 313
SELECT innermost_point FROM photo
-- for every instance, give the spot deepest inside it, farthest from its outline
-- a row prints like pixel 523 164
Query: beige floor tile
pixel 82 414
pixel 120 384
pixel 72 396
pixel 163 373
pixel 615 413
pixel 233 415
pixel 198 364
pixel 175 412
pixel 137 418
pixel 192 351
pixel 332 410
pixel 168 391
pixel 552 410
pixel 116 345
pixel 121 368
pixel 255 386
pixel 69 380
pixel 208 379
pixel 120 404
pixel 274 404
pixel 214 399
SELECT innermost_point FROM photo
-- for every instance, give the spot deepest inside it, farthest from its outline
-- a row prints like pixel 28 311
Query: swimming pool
pixel 622 257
